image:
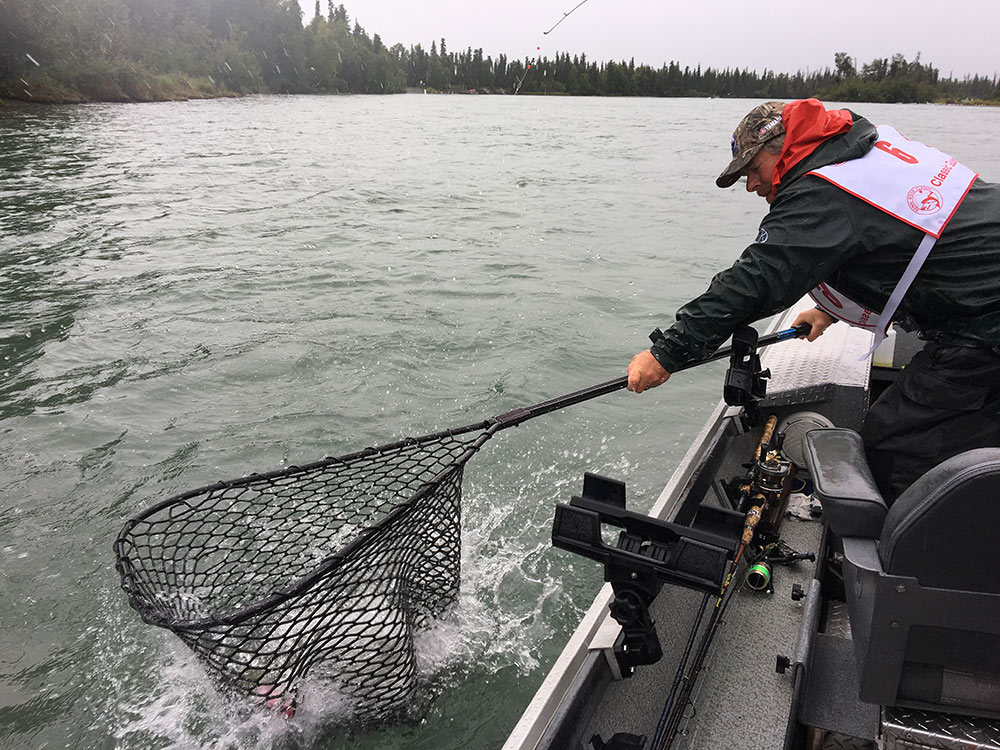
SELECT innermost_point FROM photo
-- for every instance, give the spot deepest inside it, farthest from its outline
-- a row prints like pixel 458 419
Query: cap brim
pixel 731 173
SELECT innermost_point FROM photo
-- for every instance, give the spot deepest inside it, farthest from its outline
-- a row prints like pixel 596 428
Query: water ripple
pixel 191 291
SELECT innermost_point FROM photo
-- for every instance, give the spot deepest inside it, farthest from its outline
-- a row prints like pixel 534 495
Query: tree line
pixel 143 50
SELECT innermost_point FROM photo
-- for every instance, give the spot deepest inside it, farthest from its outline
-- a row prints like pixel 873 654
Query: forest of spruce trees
pixel 146 50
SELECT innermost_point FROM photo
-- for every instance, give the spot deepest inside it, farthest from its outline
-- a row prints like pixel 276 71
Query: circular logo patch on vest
pixel 923 199
pixel 761 236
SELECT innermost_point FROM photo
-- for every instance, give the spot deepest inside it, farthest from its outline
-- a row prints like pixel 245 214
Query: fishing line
pixel 527 69
pixel 505 115
pixel 532 61
pixel 564 17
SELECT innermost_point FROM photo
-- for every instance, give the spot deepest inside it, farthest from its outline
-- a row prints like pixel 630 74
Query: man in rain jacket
pixel 840 227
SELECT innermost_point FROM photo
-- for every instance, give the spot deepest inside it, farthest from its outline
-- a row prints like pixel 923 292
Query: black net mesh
pixel 339 563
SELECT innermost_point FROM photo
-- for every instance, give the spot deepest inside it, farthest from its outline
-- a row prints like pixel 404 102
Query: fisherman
pixel 877 229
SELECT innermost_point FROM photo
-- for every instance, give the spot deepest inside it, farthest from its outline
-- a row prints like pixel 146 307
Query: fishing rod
pixel 759 488
pixel 565 16
pixel 667 714
pixel 760 497
pixel 650 552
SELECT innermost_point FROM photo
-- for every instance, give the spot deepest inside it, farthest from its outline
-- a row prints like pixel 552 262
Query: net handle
pixel 524 413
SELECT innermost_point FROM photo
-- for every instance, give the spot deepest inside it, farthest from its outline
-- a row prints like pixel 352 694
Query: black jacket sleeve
pixel 805 237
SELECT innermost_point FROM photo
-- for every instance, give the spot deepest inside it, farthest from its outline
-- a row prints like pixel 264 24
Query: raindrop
pixel 33 59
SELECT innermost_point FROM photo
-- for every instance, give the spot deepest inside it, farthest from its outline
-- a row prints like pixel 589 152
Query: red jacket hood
pixel 807 124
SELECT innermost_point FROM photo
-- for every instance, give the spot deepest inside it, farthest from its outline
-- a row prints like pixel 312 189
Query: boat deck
pixel 740 701
pixel 723 713
pixel 829 376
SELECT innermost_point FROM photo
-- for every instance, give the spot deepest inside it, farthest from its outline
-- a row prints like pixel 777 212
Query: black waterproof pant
pixel 946 401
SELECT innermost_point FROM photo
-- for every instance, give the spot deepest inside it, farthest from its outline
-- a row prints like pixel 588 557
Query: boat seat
pixel 852 504
pixel 924 592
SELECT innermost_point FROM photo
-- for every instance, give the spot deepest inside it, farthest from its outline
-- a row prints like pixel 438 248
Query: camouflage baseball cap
pixel 757 128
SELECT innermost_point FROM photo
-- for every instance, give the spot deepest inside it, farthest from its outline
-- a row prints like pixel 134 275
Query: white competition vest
pixel 918 185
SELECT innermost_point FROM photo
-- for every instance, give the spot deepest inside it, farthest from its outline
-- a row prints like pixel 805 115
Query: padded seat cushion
pixel 945 528
pixel 852 504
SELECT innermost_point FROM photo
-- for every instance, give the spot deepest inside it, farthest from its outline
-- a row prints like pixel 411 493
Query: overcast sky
pixel 959 37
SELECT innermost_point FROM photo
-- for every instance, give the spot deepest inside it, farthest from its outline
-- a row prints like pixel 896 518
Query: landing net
pixel 339 563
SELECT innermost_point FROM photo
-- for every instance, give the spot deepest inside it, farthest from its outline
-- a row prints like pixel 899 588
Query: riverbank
pixel 131 86
pixel 134 86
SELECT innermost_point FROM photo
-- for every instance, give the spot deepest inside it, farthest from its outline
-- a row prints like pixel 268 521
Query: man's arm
pixel 806 238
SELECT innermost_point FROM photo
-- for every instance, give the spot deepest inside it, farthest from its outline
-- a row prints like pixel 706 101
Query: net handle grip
pixel 524 413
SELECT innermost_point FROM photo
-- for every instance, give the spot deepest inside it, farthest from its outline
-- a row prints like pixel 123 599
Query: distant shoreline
pixel 78 98
pixel 148 51
pixel 158 88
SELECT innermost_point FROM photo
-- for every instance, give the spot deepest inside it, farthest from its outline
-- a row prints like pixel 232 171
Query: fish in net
pixel 340 563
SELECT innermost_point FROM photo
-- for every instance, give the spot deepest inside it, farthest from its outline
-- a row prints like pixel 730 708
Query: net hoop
pixel 130 580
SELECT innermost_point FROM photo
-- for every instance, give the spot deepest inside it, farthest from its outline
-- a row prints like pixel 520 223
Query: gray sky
pixel 959 37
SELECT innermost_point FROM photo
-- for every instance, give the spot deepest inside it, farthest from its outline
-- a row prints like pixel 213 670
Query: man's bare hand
pixel 817 319
pixel 645 372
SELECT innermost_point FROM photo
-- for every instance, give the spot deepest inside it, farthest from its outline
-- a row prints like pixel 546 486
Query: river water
pixel 194 291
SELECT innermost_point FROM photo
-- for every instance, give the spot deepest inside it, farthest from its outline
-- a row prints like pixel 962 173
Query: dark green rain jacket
pixel 815 231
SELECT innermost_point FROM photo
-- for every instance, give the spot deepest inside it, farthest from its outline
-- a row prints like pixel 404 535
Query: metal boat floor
pixel 740 700
pixel 910 729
